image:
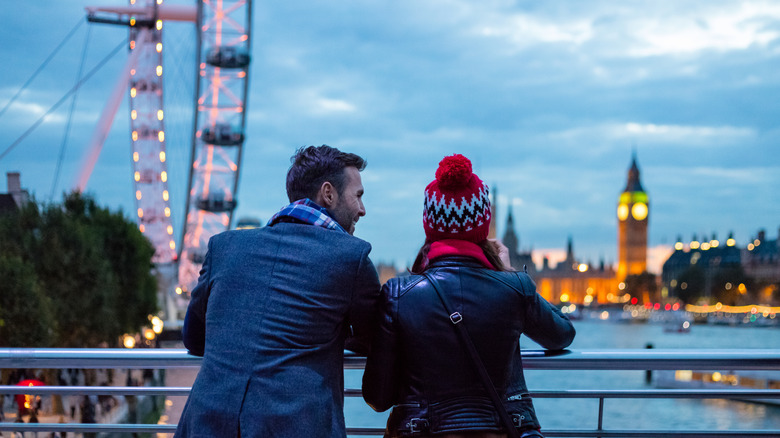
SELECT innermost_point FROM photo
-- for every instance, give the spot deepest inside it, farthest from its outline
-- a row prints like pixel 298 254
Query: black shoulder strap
pixel 457 321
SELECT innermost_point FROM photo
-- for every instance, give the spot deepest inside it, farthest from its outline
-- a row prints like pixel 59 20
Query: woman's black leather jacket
pixel 418 366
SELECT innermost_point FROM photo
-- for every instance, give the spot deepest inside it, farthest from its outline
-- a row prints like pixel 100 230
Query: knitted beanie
pixel 456 203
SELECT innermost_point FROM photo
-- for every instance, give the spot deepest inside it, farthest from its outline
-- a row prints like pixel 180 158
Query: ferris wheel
pixel 223 43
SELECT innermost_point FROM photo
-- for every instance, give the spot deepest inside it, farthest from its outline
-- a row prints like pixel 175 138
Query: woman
pixel 418 365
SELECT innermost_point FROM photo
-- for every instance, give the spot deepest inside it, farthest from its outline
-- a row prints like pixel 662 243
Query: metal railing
pixel 657 359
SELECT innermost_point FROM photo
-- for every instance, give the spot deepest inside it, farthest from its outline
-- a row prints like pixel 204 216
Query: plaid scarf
pixel 306 211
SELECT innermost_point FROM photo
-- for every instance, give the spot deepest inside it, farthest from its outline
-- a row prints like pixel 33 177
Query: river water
pixel 666 414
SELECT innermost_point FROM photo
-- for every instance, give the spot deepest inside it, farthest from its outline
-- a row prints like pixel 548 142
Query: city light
pixel 694 244
pixel 161 136
pixel 157 325
pixel 138 195
pixel 679 246
pixel 178 290
pixel 750 247
pixel 731 242
pixel 128 341
pixel 135 157
pixel 564 297
pixel 158 70
pixel 165 195
pixel 159 114
pixel 159 47
pixel 582 267
pixel 134 135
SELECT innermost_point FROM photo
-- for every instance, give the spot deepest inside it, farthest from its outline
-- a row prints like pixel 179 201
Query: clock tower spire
pixel 632 211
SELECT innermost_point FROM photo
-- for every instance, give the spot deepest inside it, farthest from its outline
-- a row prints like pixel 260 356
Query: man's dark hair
pixel 313 165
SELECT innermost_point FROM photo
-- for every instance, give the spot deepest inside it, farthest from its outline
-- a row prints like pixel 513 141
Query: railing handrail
pixel 747 394
pixel 614 359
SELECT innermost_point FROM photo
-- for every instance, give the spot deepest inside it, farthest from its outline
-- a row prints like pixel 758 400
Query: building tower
pixel 632 212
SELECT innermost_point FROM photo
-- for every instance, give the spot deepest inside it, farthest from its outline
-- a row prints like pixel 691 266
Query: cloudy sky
pixel 548 99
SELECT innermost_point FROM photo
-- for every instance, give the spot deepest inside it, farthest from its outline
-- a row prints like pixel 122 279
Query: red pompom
pixel 453 172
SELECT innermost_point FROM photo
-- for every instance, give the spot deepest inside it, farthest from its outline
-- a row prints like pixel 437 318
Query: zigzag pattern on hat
pixel 446 215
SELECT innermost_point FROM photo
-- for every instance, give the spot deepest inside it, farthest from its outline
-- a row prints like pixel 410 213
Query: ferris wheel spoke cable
pixel 54 107
pixel 70 115
pixel 42 66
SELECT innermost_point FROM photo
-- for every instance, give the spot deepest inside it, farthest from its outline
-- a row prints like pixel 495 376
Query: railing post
pixel 601 415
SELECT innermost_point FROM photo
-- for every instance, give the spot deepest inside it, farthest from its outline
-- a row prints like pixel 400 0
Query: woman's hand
pixel 503 252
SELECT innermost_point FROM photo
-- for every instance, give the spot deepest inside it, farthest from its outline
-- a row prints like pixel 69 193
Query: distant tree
pixel 25 312
pixel 129 255
pixel 92 266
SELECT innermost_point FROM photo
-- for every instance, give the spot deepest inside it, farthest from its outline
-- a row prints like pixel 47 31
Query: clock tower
pixel 632 212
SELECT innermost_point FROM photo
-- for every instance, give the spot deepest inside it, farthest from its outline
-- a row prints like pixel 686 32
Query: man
pixel 274 306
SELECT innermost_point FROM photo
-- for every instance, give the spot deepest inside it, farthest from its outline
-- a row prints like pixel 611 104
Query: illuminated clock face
pixel 639 211
pixel 622 212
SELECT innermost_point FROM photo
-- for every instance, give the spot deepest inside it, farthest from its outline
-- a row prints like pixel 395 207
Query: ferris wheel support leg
pixel 105 121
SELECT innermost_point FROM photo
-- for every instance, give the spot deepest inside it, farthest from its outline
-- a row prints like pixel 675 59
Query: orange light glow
pixel 158 70
pixel 132 23
pixel 161 137
pixel 137 176
pixel 135 137
pixel 132 72
pixel 159 114
pixel 172 244
pixel 133 114
pixel 170 229
pixel 165 195
pixel 142 227
pixel 242 74
pixel 162 156
pixel 159 47
pixel 140 212
pixel 167 212
pixel 159 24
pixel 164 176
pixel 132 45
pixel 244 37
pixel 132 92
pixel 135 158
pixel 138 195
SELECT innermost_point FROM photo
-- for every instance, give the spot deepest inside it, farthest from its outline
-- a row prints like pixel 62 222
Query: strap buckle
pixel 456 317
pixel 417 425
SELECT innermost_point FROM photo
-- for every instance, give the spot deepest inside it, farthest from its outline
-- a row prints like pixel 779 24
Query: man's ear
pixel 327 196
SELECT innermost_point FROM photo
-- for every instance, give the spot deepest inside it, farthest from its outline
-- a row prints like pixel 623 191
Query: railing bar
pixel 170 428
pixel 95 390
pixel 655 359
pixel 562 394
